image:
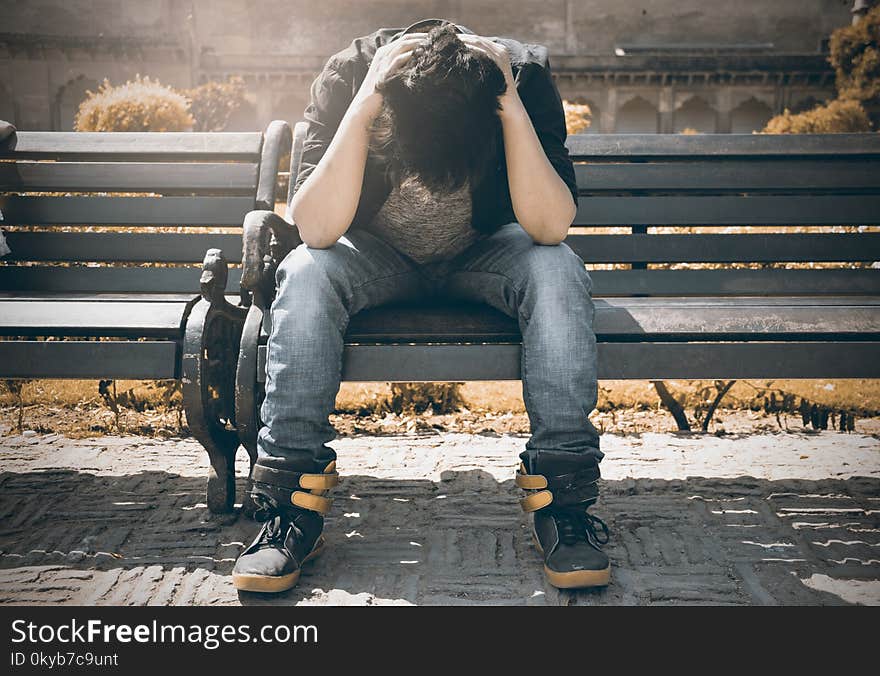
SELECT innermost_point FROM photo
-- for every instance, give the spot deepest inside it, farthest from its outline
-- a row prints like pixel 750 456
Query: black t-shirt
pixel 338 83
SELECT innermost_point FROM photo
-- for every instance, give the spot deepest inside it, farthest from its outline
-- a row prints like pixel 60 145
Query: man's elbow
pixel 546 239
pixel 316 239
pixel 556 231
pixel 313 235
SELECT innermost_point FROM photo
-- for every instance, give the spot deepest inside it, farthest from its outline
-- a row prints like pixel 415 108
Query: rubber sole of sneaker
pixel 575 579
pixel 273 584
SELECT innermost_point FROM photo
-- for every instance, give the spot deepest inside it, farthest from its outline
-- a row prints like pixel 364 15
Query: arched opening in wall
pixel 637 116
pixel 67 102
pixel 750 115
pixel 695 114
pixel 7 107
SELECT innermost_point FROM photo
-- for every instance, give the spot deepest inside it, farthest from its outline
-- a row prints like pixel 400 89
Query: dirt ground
pixel 75 408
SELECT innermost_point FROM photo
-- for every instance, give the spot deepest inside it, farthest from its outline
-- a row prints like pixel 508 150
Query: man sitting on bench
pixel 434 165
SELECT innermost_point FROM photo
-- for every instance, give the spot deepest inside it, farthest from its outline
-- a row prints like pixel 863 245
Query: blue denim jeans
pixel 546 288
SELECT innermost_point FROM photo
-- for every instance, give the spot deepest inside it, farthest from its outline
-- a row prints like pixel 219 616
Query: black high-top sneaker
pixel 569 538
pixel 291 505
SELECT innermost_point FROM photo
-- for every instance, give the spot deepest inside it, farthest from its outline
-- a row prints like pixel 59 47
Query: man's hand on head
pixel 388 60
pixel 495 51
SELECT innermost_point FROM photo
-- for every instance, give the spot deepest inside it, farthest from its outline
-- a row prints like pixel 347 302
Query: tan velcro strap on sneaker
pixel 536 501
pixel 316 503
pixel 531 481
pixel 321 482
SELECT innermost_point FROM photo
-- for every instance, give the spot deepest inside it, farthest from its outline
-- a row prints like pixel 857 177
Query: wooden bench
pixel 652 322
pixel 746 316
pixel 114 293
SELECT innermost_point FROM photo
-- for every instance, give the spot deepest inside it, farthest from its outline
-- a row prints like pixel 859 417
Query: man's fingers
pixel 480 44
pixel 474 48
pixel 409 39
pixel 399 61
pixel 481 50
pixel 402 47
pixel 406 42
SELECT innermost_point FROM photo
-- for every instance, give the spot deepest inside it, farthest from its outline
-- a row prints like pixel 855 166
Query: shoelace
pixel 274 531
pixel 577 525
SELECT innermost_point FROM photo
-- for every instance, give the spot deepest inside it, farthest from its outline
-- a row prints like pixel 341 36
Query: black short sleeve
pixel 331 94
pixel 544 105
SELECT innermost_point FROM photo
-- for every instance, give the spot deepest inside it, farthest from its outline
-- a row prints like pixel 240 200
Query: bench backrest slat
pixel 160 177
pixel 725 282
pixel 106 279
pixel 731 175
pixel 730 248
pixel 165 211
pixel 661 248
pixel 733 282
pixel 723 146
pixel 728 210
pixel 136 247
pixel 133 145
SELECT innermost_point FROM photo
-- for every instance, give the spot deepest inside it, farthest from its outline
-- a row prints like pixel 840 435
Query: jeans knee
pixel 559 267
pixel 307 267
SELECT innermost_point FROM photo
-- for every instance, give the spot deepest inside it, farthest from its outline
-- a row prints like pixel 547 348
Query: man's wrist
pixel 511 106
pixel 363 110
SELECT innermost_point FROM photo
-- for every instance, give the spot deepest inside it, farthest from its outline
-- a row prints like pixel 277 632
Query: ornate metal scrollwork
pixel 210 358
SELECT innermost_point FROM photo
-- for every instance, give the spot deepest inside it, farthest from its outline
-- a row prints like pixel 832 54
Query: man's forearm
pixel 325 204
pixel 541 200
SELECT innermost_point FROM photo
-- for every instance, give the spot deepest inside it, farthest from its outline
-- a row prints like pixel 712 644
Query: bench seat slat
pixel 89 359
pixel 100 297
pixel 92 318
pixel 134 145
pixel 620 319
pixel 125 210
pixel 729 210
pixel 162 177
pixel 30 279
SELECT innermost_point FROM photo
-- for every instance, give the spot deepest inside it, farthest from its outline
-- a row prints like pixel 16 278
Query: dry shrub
pixel 855 55
pixel 840 116
pixel 213 103
pixel 141 104
pixel 419 397
pixel 578 117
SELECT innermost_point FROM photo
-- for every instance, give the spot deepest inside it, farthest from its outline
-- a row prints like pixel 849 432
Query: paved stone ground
pixel 789 518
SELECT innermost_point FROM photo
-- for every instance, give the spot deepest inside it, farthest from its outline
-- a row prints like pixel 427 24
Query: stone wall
pixel 651 65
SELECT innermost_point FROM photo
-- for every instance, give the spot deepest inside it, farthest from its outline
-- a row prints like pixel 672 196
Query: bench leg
pixel 210 355
pixel 249 393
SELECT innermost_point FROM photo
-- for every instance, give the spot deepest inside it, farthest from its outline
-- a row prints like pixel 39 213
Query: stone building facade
pixel 642 66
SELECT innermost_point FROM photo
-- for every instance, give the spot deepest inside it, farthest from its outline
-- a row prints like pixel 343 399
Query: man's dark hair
pixel 439 119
